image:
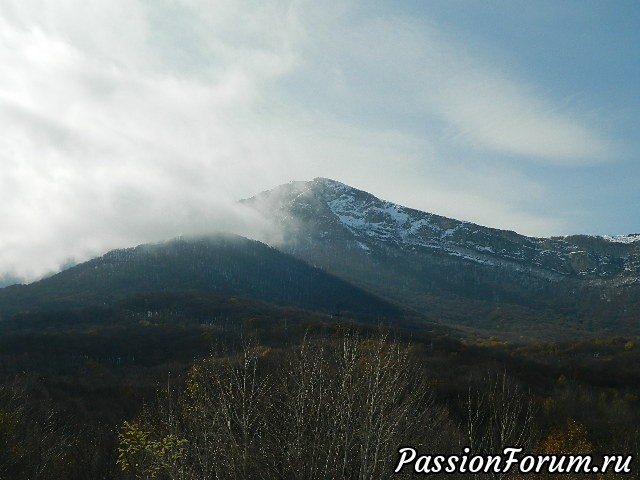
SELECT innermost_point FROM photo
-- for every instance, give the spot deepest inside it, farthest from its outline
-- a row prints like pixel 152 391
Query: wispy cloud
pixel 486 111
pixel 482 105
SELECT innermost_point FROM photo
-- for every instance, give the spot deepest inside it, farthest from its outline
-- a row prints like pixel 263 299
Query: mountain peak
pixel 324 212
pixel 329 185
pixel 411 256
pixel 319 185
pixel 328 182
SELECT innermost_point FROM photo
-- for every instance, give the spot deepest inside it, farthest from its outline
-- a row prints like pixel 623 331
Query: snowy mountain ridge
pixel 371 223
pixel 456 270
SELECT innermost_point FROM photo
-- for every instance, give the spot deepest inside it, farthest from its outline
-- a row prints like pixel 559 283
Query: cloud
pixel 418 67
pixel 106 143
pixel 493 113
pixel 131 121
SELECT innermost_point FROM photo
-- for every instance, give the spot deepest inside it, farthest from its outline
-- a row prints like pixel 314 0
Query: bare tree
pixel 335 408
pixel 500 414
pixel 210 430
pixel 350 404
pixel 34 442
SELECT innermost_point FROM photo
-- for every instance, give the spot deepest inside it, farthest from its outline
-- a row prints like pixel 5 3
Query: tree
pixel 34 442
pixel 336 408
pixel 500 414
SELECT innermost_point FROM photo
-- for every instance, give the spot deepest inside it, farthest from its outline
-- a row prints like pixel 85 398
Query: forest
pixel 193 386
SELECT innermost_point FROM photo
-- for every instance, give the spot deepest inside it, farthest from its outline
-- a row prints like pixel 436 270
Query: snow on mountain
pixel 630 238
pixel 326 209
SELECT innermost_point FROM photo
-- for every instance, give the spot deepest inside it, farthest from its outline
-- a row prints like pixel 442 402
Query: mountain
pixel 345 250
pixel 225 264
pixel 431 262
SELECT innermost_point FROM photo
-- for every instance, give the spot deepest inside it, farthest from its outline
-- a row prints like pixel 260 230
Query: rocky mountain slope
pixel 409 256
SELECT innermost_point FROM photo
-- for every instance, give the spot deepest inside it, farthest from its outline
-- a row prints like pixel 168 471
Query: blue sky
pixel 132 121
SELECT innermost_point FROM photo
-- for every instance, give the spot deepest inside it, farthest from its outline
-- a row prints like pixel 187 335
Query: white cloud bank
pixel 131 121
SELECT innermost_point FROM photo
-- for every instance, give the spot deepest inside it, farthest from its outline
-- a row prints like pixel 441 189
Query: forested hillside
pixel 199 386
pixel 218 263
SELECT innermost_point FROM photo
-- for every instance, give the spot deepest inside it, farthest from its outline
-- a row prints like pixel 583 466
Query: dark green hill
pixel 225 264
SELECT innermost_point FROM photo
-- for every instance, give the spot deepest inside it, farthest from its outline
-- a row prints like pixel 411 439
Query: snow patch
pixel 630 238
pixel 363 247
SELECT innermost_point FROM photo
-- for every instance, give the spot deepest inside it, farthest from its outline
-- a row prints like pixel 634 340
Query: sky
pixel 129 121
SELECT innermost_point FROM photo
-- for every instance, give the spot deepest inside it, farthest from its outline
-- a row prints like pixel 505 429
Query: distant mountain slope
pixel 222 263
pixel 409 256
